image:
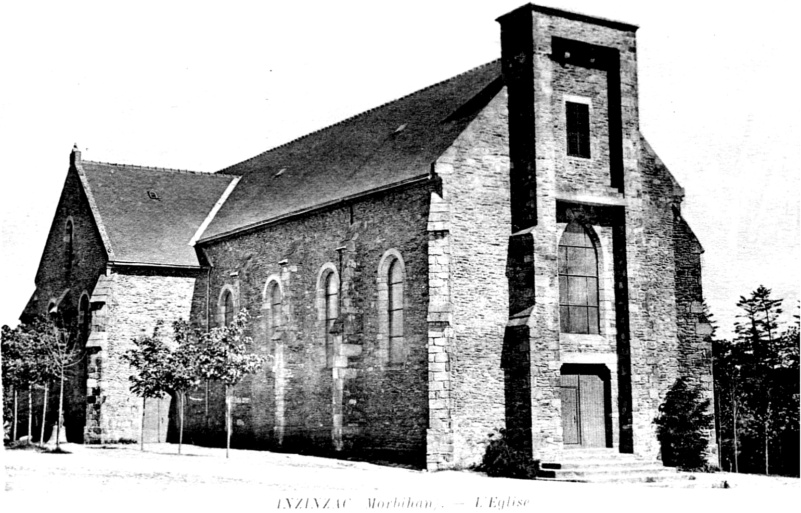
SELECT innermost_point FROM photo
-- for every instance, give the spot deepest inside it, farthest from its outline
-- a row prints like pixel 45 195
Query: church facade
pixel 499 250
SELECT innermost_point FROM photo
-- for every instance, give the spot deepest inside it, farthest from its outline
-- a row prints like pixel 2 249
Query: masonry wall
pixel 354 399
pixel 568 179
pixel 54 276
pixel 669 284
pixel 571 83
pixel 469 228
pixel 694 330
pixel 137 299
pixel 628 200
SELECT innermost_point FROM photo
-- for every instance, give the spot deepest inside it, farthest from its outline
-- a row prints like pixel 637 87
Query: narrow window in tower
pixel 578 129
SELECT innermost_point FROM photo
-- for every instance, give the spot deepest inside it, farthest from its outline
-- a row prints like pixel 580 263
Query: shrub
pixel 682 424
pixel 505 456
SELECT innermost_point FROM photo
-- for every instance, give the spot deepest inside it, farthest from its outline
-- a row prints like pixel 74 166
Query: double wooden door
pixel 584 415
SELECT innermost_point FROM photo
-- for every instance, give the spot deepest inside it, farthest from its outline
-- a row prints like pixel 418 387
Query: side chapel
pixel 501 249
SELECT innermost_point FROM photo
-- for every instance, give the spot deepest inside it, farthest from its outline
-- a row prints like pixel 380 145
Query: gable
pixel 383 147
pixel 74 206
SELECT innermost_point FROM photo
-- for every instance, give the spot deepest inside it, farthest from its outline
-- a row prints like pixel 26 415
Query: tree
pixel 63 355
pixel 148 357
pixel 42 368
pixel 682 424
pixel 28 361
pixel 224 356
pixel 181 370
pixel 757 389
pixel 757 334
pixel 13 358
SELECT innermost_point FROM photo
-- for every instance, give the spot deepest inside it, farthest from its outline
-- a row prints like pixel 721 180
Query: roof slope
pixel 384 146
pixel 142 230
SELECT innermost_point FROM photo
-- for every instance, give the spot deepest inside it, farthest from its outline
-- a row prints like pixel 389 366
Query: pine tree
pixel 758 333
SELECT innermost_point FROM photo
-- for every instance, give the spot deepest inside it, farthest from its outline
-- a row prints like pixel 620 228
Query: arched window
pixel 275 320
pixel 331 287
pixel 395 310
pixel 69 237
pixel 84 317
pixel 391 303
pixel 228 308
pixel 578 281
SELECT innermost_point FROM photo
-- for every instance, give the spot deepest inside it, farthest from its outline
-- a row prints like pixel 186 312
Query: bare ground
pixel 203 479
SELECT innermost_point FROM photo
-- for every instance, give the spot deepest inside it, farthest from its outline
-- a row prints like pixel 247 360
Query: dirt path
pixel 121 478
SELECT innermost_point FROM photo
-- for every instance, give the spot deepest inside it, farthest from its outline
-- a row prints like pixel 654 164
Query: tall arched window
pixel 331 286
pixel 395 310
pixel 391 301
pixel 275 320
pixel 84 317
pixel 228 308
pixel 69 237
pixel 578 281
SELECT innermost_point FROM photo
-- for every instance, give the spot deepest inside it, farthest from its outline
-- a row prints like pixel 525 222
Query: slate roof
pixel 388 145
pixel 143 230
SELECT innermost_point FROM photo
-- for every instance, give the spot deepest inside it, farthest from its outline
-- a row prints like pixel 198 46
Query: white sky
pixel 201 86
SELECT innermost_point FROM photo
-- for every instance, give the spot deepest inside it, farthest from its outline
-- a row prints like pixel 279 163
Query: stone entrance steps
pixel 605 466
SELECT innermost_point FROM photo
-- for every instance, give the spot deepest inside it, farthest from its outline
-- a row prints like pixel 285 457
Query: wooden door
pixel 591 406
pixel 583 408
pixel 570 411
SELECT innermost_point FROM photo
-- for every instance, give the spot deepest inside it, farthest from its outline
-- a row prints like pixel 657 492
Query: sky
pixel 201 86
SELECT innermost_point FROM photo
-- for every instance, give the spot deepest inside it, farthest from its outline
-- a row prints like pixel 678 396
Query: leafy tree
pixel 148 357
pixel 12 369
pixel 682 425
pixel 42 368
pixel 224 356
pixel 28 361
pixel 181 370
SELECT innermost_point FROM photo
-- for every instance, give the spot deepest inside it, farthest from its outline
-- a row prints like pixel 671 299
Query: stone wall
pixel 576 60
pixel 77 276
pixel 135 300
pixel 469 231
pixel 563 178
pixel 351 396
pixel 694 330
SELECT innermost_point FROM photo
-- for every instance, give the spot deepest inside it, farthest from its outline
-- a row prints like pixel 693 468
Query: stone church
pixel 501 249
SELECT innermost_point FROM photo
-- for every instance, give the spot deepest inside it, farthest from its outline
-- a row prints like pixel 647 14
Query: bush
pixel 505 457
pixel 682 425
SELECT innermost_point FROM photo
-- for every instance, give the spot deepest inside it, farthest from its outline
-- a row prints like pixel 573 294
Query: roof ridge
pixel 363 113
pixel 154 168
